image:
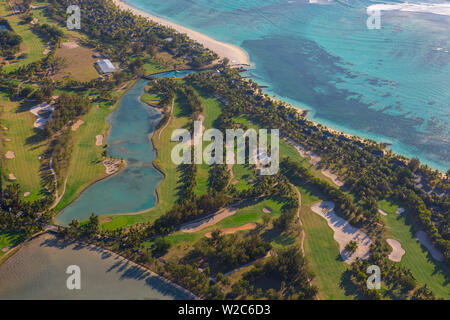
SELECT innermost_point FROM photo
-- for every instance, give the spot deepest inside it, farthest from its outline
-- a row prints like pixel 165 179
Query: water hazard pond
pixel 133 189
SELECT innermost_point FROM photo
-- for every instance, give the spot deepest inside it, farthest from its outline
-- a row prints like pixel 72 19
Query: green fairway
pixel 85 164
pixel 243 174
pixel 27 144
pixel 246 213
pixel 211 111
pixel 426 270
pixel 32 45
pixel 322 251
pixel 9 240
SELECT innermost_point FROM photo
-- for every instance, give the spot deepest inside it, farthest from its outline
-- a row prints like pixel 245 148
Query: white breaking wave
pixel 435 8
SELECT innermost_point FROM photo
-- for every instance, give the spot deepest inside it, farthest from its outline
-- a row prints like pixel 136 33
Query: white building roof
pixel 105 65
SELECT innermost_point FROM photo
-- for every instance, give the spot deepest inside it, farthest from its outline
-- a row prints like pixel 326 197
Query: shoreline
pixel 236 55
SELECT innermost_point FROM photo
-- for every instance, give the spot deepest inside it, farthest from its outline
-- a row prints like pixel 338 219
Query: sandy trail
pixel 426 242
pixel 209 220
pixel 168 121
pixel 397 250
pixel 383 213
pixel 10 155
pixel 247 226
pixel 236 55
pixel 343 232
pixel 299 196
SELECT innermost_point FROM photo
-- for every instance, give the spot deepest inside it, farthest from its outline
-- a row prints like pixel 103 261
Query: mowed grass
pixel 85 164
pixel 242 173
pixel 246 213
pixel 417 258
pixel 211 111
pixel 31 44
pixel 9 239
pixel 27 145
pixel 322 252
pixel 168 188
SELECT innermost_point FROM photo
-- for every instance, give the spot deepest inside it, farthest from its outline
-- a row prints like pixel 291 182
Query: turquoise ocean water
pixel 390 84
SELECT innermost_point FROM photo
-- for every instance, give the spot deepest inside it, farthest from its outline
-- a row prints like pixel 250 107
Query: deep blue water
pixel 391 84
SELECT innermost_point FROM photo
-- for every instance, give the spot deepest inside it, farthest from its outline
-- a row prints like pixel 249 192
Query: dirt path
pixel 57 197
pixel 168 121
pixel 247 264
pixel 299 196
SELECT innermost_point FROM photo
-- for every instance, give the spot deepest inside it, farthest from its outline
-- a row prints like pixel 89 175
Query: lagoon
pixel 38 271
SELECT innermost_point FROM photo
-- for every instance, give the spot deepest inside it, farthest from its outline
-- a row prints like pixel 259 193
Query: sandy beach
pixel 236 55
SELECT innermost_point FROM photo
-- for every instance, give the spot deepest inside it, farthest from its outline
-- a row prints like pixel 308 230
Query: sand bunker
pixel 111 166
pixel 333 177
pixel 105 219
pixel 426 242
pixel 267 210
pixel 26 194
pixel 397 250
pixel 248 226
pixel 8 140
pixel 315 159
pixel 384 213
pixel 344 232
pixel 10 155
pixel 208 221
pixel 400 210
pixel 12 177
pixel 40 122
pixel 70 45
pixel 6 249
pixel 46 51
pixel 77 124
pixel 99 140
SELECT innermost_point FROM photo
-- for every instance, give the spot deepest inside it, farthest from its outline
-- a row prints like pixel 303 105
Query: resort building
pixel 105 66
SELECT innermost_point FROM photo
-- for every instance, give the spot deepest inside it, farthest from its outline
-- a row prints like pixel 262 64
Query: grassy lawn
pixel 211 111
pixel 426 270
pixel 322 252
pixel 31 43
pixel 85 166
pixel 26 143
pixel 242 173
pixel 246 213
pixel 9 239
